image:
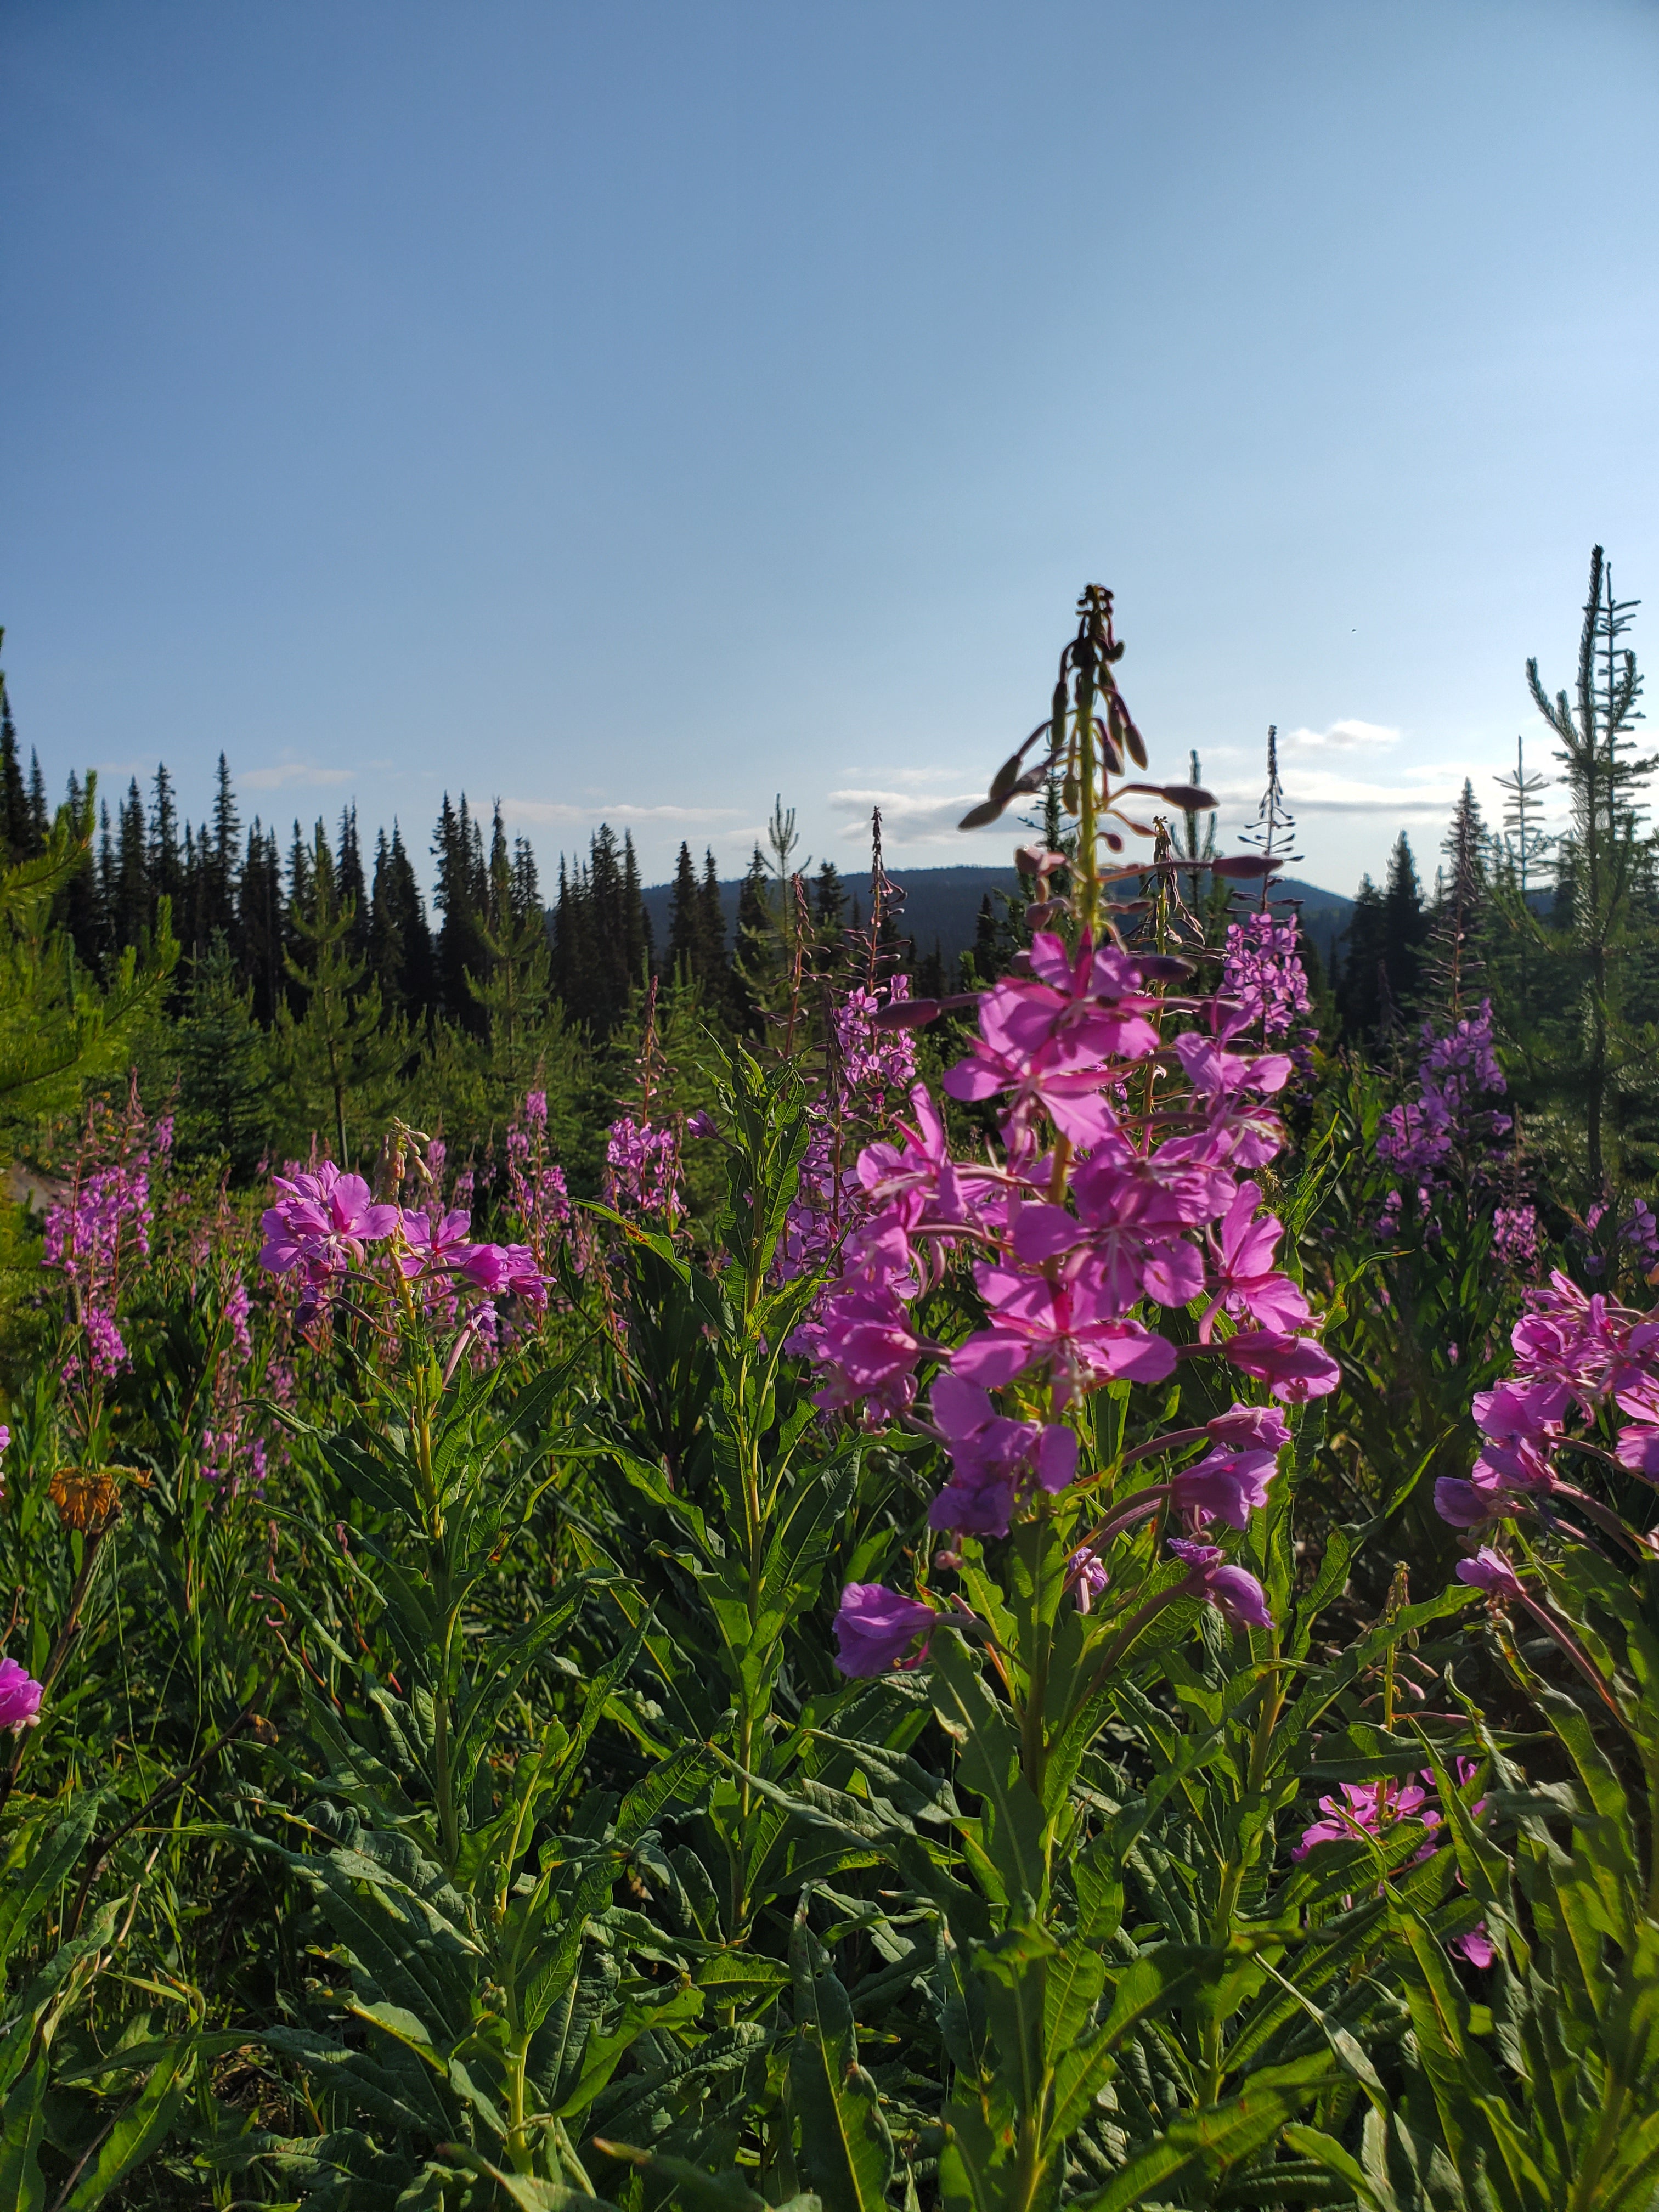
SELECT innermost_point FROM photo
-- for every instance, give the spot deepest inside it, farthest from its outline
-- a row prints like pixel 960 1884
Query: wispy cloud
pixel 906 816
pixel 559 811
pixel 286 773
pixel 1350 736
pixel 1424 794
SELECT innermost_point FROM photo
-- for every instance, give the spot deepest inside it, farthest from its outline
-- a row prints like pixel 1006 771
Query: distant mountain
pixel 941 906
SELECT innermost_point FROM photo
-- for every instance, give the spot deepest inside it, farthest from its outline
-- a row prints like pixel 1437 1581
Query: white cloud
pixel 557 810
pixel 1348 736
pixel 909 817
pixel 292 771
pixel 1427 794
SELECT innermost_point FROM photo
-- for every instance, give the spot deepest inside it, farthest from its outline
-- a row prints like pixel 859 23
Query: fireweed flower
pixel 875 1629
pixel 1086 1576
pixel 1262 969
pixel 1226 1485
pixel 1491 1572
pixel 323 1224
pixel 19 1696
pixel 642 1168
pixel 1233 1591
pixel 991 1458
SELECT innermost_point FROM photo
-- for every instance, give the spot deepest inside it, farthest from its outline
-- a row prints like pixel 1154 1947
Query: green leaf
pixel 22 2185
pixel 984 1733
pixel 139 2130
pixel 846 2145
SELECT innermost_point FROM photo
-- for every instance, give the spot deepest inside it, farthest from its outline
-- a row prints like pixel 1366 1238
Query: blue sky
pixel 632 412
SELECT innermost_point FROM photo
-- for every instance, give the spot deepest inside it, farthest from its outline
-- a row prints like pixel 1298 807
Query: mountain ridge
pixel 941 906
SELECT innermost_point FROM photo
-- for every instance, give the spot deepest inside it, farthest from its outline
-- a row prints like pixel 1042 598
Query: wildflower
pixel 1365 1808
pixel 1293 1368
pixel 431 1243
pixel 19 1696
pixel 1234 1592
pixel 1491 1572
pixel 1255 1428
pixel 1515 1236
pixel 875 1629
pixel 1086 1576
pixel 990 1457
pixel 1070 1325
pixel 1261 968
pixel 1246 1282
pixel 322 1224
pixel 642 1168
pixel 1231 1486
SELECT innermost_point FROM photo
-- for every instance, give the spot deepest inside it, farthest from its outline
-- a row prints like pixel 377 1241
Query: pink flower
pixel 866 1338
pixel 875 1629
pixel 1365 1809
pixel 1245 1277
pixel 1250 1428
pixel 1085 1577
pixel 502 1269
pixel 1491 1572
pixel 1233 1591
pixel 990 1456
pixel 1476 1946
pixel 1035 1320
pixel 1638 1448
pixel 1466 1505
pixel 1294 1368
pixel 430 1248
pixel 19 1696
pixel 322 1222
pixel 1231 1486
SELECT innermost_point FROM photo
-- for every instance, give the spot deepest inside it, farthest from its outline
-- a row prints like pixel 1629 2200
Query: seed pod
pixel 906 1014
pixel 1189 797
pixel 1003 781
pixel 1110 752
pixel 987 811
pixel 1134 743
pixel 1240 865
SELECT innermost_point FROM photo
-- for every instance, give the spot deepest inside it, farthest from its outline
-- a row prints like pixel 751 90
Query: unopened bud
pixel 1240 865
pixel 906 1014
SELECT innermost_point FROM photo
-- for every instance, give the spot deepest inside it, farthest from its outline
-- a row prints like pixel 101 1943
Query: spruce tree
pixel 223 1103
pixel 1599 1053
pixel 1363 993
pixel 133 899
pixel 684 958
pixel 1456 958
pixel 14 798
pixel 338 1059
pixel 1404 930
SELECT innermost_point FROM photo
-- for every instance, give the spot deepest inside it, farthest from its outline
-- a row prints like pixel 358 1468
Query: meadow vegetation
pixel 752 1573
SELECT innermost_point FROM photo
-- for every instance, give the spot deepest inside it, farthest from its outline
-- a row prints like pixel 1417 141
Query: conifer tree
pixel 132 884
pixel 339 1058
pixel 14 825
pixel 223 1096
pixel 399 937
pixel 1363 993
pixel 1599 1050
pixel 164 854
pixel 261 912
pixel 1458 929
pixel 40 812
pixel 684 957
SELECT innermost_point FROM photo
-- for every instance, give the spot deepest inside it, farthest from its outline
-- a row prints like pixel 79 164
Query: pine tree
pixel 133 902
pixel 349 872
pixel 461 896
pixel 40 812
pixel 225 851
pixel 164 856
pixel 1405 929
pixel 1457 930
pixel 399 937
pixel 13 799
pixel 717 968
pixel 85 916
pixel 261 911
pixel 338 1059
pixel 1600 1051
pixel 1363 993
pixel 223 1103
pixel 684 959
